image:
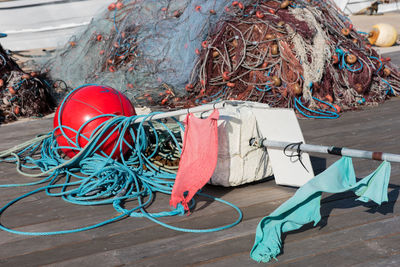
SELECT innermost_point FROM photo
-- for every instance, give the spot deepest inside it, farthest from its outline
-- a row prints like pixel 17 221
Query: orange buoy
pixel 281 24
pixel 225 75
pixel 259 14
pixel 274 49
pixel 269 36
pixel 16 110
pixel 345 31
pixel 111 7
pixel 337 107
pixel 386 72
pixel 351 59
pixel 297 90
pixel 11 90
pixel 264 65
pixel 164 101
pixel 189 87
pixel 359 89
pixel 285 4
pixel 277 81
pixel 335 59
pixel 329 98
pixel 235 43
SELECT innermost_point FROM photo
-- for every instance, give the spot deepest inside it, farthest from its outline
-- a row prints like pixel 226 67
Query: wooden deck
pixel 350 233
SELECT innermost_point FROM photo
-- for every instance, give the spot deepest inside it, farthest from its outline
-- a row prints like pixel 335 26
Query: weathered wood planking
pixel 349 233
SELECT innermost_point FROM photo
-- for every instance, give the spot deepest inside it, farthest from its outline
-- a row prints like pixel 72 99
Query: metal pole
pixel 180 112
pixel 202 108
pixel 340 151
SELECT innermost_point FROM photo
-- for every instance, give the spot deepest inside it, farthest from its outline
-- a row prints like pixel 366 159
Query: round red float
pixel 81 106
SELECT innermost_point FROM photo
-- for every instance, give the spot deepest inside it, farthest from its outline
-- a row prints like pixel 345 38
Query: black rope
pixel 296 146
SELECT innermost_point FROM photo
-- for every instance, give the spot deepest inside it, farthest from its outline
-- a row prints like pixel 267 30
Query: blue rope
pixel 380 66
pixel 93 178
pixel 320 113
pixel 390 90
pixel 345 65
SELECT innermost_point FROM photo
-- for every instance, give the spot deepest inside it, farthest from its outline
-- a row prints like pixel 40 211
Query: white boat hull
pixel 354 6
pixel 33 24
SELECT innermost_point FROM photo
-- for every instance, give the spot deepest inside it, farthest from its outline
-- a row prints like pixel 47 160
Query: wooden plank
pixel 162 244
pixel 137 241
pixel 354 253
pixel 134 254
pixel 386 261
pixel 293 251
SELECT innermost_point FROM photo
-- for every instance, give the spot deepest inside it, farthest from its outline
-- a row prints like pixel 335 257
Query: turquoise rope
pixel 93 178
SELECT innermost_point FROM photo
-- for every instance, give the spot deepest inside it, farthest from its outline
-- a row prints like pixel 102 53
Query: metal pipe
pixel 202 108
pixel 176 113
pixel 340 151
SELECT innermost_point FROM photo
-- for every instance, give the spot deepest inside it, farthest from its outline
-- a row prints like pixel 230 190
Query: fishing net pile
pixel 21 94
pixel 299 54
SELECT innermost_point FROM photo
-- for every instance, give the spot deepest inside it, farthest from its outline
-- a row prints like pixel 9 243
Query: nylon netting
pixel 178 53
pixel 138 48
pixel 22 94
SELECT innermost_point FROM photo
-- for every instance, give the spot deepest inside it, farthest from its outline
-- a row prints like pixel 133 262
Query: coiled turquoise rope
pixel 93 178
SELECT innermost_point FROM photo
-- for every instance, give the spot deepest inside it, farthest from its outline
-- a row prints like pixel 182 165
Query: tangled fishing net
pixel 298 54
pixel 21 94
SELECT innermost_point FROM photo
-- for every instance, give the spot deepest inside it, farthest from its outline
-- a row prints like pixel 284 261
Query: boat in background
pixel 34 24
pixel 354 6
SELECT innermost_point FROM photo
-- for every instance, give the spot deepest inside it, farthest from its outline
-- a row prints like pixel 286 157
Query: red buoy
pixel 83 105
